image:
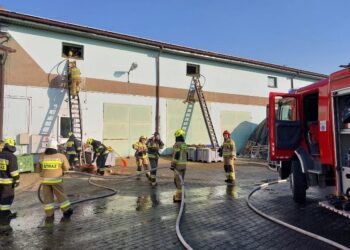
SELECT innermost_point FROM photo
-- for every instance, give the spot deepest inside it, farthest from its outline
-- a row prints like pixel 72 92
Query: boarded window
pixel 192 70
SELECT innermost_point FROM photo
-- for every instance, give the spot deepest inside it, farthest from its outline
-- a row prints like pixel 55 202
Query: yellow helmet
pixel 70 133
pixel 179 132
pixel 142 137
pixel 89 140
pixel 10 141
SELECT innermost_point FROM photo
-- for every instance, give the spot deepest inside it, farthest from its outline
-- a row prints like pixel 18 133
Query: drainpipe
pixel 6 50
pixel 157 89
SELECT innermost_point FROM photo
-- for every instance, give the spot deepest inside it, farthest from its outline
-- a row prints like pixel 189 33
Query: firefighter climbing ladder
pixel 75 113
pixel 196 87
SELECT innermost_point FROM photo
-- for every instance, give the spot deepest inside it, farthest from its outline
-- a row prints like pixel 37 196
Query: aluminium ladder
pixel 196 87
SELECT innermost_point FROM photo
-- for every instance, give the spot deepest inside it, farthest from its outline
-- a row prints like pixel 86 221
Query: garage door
pixel 123 124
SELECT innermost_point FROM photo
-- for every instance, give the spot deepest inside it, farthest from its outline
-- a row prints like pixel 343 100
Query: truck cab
pixel 309 134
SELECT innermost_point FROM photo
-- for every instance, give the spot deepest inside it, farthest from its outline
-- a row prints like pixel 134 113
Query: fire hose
pixel 297 229
pixel 115 191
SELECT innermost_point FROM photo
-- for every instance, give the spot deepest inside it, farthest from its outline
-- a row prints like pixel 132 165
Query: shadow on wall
pixel 56 92
pixel 241 134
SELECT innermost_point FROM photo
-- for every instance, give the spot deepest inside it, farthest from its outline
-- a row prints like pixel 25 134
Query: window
pixel 72 51
pixel 192 70
pixel 272 82
pixel 286 109
pixel 64 127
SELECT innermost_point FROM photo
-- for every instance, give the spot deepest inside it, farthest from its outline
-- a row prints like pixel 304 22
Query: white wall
pixel 110 61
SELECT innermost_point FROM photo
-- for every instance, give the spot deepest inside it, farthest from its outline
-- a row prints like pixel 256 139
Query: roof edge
pixel 142 41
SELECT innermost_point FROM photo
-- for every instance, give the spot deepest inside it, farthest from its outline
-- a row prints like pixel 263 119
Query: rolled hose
pixel 297 229
pixel 114 192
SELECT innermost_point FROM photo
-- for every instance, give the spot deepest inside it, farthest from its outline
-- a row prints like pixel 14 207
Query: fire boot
pixel 153 180
pixel 138 177
pixel 177 196
pixel 67 214
pixel 49 220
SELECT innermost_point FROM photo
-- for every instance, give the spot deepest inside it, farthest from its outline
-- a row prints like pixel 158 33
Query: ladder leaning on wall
pixel 75 113
pixel 196 87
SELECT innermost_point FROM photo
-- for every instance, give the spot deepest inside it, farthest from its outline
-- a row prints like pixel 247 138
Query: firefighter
pixel 52 167
pixel 228 151
pixel 178 162
pixel 75 79
pixel 141 156
pixel 73 149
pixel 154 144
pixel 100 154
pixel 9 179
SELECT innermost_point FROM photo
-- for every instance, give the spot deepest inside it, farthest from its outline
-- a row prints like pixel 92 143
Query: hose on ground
pixel 179 216
pixel 297 229
pixel 114 192
pixel 91 176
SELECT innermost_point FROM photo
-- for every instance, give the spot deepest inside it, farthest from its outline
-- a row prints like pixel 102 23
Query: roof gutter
pixel 31 21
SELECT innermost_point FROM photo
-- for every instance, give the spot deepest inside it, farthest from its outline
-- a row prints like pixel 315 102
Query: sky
pixel 311 35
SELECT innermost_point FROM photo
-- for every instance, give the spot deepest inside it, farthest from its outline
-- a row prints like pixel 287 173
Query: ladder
pixel 189 109
pixel 197 87
pixel 75 115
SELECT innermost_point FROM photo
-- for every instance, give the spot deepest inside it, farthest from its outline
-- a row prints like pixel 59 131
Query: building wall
pixel 35 77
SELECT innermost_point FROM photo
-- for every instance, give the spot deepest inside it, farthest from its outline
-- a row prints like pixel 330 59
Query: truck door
pixel 284 125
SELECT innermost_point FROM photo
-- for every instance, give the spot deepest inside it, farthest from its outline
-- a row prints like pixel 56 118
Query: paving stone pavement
pixel 142 217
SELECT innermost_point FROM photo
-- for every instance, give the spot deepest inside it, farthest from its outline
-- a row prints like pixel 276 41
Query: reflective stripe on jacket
pixel 52 167
pixel 228 148
pixel 179 153
pixel 141 150
pixel 153 147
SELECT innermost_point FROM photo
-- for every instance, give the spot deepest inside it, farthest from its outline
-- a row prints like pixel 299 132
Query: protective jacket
pixel 141 150
pixel 228 148
pixel 9 173
pixel 52 165
pixel 98 148
pixel 179 153
pixel 73 145
pixel 153 147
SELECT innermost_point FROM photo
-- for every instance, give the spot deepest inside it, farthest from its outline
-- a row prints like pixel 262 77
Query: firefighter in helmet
pixel 100 154
pixel 52 167
pixel 154 144
pixel 178 162
pixel 75 78
pixel 228 151
pixel 9 179
pixel 73 149
pixel 141 156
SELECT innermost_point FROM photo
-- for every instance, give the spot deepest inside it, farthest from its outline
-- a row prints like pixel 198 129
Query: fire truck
pixel 309 135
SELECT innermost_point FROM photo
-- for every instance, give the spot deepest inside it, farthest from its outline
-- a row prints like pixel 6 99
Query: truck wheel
pixel 298 182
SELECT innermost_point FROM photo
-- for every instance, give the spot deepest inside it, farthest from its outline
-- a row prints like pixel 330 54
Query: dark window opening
pixel 72 51
pixel 192 70
pixel 272 82
pixel 64 127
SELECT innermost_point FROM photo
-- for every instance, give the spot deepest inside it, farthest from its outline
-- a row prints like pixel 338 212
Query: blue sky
pixel 306 34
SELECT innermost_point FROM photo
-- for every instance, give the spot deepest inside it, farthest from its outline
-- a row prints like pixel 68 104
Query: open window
pixel 284 125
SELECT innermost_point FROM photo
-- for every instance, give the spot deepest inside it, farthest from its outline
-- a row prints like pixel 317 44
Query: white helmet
pixel 52 144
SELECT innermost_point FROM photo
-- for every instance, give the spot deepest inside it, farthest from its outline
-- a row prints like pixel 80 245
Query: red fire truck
pixel 309 134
